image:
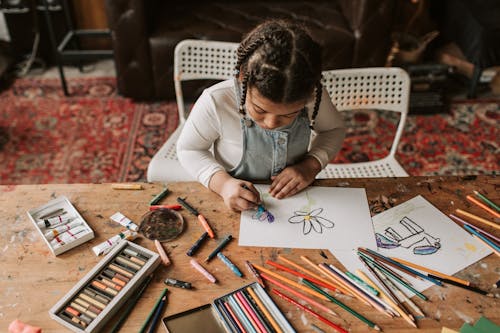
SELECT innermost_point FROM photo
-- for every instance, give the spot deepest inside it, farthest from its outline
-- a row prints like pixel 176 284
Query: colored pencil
pixel 311 273
pixel 304 276
pixel 399 295
pixel 153 311
pixel 484 238
pixel 481 240
pixel 131 304
pixel 496 284
pixel 245 321
pixel 252 271
pixel 358 292
pixel 471 288
pixel 342 305
pixel 233 316
pixel 400 309
pixel 482 205
pixel 290 282
pixel 389 272
pixel 311 312
pixel 264 310
pixel 252 317
pixel 228 317
pixel 301 296
pixel 487 201
pixel 158 314
pixel 477 218
pixel 431 271
pixel 362 283
pixel 315 266
pixel 278 315
pixel 400 266
pixel 462 222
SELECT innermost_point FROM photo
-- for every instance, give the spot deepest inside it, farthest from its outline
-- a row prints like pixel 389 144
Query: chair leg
pixel 476 75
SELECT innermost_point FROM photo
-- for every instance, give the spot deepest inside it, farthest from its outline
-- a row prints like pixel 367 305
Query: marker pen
pixel 197 244
pixel 110 243
pixel 201 218
pixel 219 247
pixel 229 264
pixel 124 221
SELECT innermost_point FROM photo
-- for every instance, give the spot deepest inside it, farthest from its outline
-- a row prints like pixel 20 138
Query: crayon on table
pixel 126 186
pixel 178 283
pixel 229 264
pixel 159 196
pixel 201 218
pixel 219 247
pixel 174 207
pixel 197 244
pixel 203 271
pixel 161 251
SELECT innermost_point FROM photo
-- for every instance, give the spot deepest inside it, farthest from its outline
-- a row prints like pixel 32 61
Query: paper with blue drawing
pixel 316 218
pixel 418 232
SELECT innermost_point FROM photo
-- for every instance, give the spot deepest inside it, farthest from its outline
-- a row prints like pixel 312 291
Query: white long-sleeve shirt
pixel 214 126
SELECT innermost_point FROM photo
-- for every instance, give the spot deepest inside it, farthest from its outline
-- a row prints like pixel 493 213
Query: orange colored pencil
pixel 339 286
pixel 293 283
pixel 483 206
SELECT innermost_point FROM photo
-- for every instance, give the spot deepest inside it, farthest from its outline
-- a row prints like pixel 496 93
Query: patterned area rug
pixel 98 136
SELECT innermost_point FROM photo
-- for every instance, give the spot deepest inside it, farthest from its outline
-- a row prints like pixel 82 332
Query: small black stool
pixel 474 25
pixel 61 53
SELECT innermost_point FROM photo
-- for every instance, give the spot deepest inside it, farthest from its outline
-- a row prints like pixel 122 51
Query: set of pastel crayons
pixel 60 225
pixel 98 295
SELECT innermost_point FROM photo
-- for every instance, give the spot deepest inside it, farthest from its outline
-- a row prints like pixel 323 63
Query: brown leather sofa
pixel 354 33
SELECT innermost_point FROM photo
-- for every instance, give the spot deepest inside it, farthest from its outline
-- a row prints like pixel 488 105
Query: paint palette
pixel 60 225
pixel 244 310
pixel 101 292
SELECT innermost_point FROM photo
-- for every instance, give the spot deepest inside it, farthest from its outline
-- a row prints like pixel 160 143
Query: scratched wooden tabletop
pixel 32 280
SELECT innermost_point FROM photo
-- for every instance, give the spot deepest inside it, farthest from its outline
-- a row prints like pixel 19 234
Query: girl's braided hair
pixel 281 60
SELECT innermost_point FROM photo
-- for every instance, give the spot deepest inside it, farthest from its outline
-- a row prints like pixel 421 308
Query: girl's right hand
pixel 237 194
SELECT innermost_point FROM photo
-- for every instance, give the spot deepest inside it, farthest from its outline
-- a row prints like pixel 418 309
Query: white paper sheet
pixel 416 227
pixel 316 218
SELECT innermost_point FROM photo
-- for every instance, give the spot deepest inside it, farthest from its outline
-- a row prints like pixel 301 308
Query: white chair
pixel 193 60
pixel 350 88
pixel 369 88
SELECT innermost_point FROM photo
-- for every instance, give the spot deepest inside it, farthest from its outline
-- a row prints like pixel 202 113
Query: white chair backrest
pixel 371 88
pixel 201 60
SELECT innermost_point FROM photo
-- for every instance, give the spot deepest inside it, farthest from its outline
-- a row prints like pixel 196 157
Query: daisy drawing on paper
pixel 311 220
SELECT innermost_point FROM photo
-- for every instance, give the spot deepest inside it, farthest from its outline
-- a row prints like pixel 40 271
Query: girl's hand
pixel 237 194
pixel 294 178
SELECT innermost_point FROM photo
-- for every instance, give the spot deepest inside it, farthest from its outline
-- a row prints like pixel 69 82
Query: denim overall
pixel 267 152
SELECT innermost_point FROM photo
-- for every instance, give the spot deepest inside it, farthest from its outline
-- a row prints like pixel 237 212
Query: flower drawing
pixel 311 220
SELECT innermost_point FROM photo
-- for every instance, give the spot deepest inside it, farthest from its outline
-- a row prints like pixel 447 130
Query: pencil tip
pixel 377 328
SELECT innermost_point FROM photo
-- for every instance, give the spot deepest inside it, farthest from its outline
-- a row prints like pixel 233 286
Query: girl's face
pixel 270 115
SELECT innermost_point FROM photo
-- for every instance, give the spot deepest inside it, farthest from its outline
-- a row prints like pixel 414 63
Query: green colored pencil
pixel 146 322
pixel 131 305
pixel 487 201
pixel 342 305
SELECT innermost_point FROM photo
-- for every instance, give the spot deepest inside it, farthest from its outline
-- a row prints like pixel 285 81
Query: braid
pixel 244 86
pixel 317 102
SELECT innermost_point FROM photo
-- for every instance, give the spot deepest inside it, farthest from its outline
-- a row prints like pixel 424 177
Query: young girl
pixel 273 122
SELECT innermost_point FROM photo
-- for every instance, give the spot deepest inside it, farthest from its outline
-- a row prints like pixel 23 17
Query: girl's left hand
pixel 294 178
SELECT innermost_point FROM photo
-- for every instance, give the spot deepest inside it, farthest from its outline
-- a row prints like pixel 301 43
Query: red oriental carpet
pixel 98 136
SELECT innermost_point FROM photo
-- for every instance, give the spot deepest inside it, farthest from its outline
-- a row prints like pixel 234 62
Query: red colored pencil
pixel 306 309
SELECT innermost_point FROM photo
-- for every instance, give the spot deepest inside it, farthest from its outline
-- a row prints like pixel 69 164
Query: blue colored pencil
pixel 486 240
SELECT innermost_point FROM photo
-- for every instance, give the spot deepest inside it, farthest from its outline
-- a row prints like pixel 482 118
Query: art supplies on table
pixel 102 291
pixel 317 217
pixel 60 225
pixel 247 309
pixel 124 221
pixel 111 242
pixel 417 232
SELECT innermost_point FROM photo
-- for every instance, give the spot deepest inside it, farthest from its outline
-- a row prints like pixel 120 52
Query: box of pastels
pixel 60 225
pixel 247 309
pixel 104 290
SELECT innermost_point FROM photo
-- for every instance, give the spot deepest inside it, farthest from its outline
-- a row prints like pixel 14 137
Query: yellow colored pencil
pixel 293 283
pixel 269 317
pixel 477 218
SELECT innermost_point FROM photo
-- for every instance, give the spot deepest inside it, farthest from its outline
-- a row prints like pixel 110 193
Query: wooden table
pixel 32 280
